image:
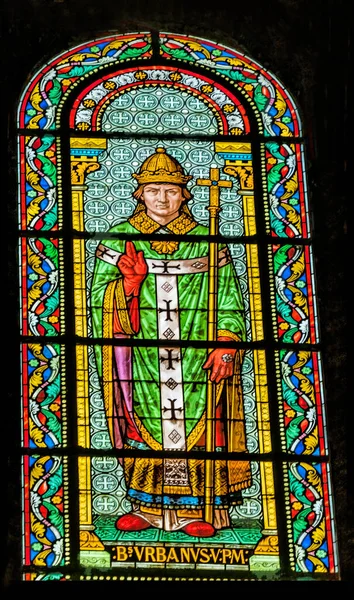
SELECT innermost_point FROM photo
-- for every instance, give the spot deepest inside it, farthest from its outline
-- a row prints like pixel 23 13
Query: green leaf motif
pixel 52 392
pixel 280 257
pixel 234 74
pixel 293 430
pixel 54 482
pixel 46 143
pixel 288 336
pixel 76 71
pixel 300 523
pixel 130 53
pixel 53 423
pixel 49 169
pixel 55 517
pixel 277 225
pixel 50 250
pixel 284 310
pixel 50 218
pixel 273 148
pixel 55 92
pixel 49 329
pixel 297 488
pixel 51 304
pixel 259 98
pixel 177 53
pixel 274 176
pixel 291 398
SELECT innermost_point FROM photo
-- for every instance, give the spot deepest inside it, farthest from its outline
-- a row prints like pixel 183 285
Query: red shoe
pixel 199 529
pixel 132 522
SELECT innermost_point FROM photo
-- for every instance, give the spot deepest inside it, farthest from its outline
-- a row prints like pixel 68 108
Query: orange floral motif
pixel 175 77
pixel 236 131
pixel 57 500
pixel 248 87
pixel 109 85
pixel 83 126
pixel 140 75
pixel 54 407
pixel 290 413
pixel 284 326
pixel 272 161
pixel 229 108
pixel 89 103
pixel 49 153
pixel 53 319
pixel 207 88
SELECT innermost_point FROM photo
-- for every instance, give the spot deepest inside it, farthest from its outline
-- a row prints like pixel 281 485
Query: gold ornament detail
pixel 90 541
pixel 83 126
pixel 207 88
pixel 165 247
pixel 140 75
pixel 109 85
pixel 228 108
pixel 268 545
pixel 161 168
pixel 80 168
pixel 83 162
pixel 175 76
pixel 180 226
pixel 243 173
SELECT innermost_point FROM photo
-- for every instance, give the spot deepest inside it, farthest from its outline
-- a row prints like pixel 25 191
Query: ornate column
pixel 239 164
pixel 84 153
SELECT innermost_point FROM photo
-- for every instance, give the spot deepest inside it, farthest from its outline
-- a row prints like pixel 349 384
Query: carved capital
pixel 267 545
pixel 90 541
pixel 238 162
pixel 80 167
pixel 241 172
pixel 84 157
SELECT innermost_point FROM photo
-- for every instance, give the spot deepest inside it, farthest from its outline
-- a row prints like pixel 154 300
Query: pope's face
pixel 162 201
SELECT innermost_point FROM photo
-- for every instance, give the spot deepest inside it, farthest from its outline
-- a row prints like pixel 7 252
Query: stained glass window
pixel 172 389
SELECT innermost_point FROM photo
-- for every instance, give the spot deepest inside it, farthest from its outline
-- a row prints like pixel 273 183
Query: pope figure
pixel 155 395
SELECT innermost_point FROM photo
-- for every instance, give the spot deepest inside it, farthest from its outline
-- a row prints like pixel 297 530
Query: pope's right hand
pixel 134 269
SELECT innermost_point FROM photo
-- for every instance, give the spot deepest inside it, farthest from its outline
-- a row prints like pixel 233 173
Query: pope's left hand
pixel 221 362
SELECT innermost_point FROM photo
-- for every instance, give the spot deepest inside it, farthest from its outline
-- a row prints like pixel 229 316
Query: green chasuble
pixel 168 388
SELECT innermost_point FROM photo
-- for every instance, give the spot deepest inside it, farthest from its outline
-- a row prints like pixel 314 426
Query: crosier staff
pixel 214 183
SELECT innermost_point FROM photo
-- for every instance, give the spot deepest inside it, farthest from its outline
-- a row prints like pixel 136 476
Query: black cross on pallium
pixel 171 359
pixel 167 310
pixel 172 408
pixel 224 254
pixel 165 266
pixel 103 251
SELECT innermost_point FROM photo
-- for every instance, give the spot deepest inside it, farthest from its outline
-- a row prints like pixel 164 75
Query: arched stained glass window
pixel 172 388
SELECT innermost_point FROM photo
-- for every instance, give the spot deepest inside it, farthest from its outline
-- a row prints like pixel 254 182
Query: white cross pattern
pixel 146 119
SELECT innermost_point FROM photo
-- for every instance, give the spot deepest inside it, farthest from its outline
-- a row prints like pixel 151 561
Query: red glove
pixel 221 362
pixel 134 269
